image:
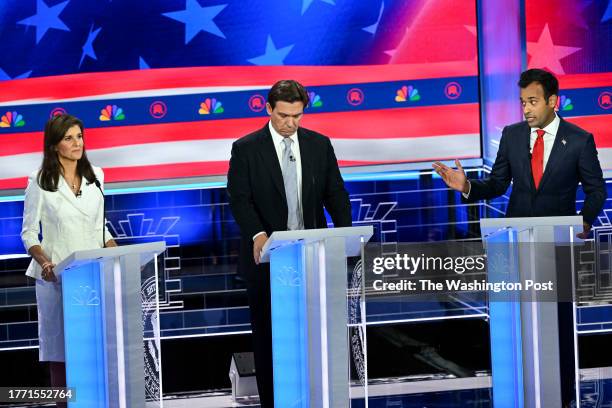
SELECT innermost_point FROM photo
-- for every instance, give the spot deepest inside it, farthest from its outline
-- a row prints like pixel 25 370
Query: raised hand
pixel 455 179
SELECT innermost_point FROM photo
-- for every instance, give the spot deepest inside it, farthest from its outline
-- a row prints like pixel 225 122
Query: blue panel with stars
pixel 53 37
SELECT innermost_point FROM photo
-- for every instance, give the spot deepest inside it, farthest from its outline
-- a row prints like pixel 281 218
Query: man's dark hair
pixel 287 90
pixel 548 81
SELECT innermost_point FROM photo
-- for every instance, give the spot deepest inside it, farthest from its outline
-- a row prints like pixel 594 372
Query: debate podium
pixel 111 326
pixel 308 289
pixel 534 357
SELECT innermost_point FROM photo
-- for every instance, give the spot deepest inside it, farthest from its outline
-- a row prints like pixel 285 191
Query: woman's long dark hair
pixel 55 131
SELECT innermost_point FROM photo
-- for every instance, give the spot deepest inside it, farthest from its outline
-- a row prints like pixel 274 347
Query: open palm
pixel 455 179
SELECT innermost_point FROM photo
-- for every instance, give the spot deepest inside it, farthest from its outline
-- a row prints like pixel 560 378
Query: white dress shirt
pixel 295 149
pixel 549 140
pixel 277 139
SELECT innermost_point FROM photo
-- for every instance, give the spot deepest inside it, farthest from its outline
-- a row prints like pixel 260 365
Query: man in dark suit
pixel 544 156
pixel 280 178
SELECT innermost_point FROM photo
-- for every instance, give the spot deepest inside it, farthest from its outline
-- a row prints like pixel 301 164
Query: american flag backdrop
pixel 573 39
pixel 165 87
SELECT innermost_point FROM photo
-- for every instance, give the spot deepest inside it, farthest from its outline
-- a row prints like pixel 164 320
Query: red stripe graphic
pixel 91 84
pixel 14 183
pixel 585 80
pixel 598 125
pixel 165 171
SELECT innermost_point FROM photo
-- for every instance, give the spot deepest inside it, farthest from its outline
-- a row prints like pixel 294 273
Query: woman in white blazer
pixel 64 199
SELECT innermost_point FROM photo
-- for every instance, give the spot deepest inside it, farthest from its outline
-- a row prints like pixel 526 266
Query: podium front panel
pixel 505 323
pixel 112 336
pixel 533 340
pixel 310 345
pixel 289 327
pixel 85 336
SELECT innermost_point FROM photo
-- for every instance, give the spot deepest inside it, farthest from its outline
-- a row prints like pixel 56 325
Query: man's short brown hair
pixel 287 90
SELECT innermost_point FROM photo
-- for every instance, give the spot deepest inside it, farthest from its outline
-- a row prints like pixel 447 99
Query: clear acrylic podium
pixel 111 326
pixel 308 289
pixel 529 341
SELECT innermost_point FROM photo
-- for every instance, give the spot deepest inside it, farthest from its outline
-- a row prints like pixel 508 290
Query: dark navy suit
pixel 573 159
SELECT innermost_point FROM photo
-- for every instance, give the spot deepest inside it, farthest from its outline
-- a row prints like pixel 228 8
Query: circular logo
pixel 357 332
pixel 148 298
pixel 605 100
pixel 158 109
pixel 355 96
pixel 257 103
pixel 57 111
pixel 452 90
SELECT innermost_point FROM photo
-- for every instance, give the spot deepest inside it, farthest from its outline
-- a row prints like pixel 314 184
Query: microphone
pixel 80 193
pixel 291 158
pixel 97 183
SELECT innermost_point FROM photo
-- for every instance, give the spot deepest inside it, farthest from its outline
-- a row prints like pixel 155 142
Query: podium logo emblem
pixel 85 296
pixel 289 276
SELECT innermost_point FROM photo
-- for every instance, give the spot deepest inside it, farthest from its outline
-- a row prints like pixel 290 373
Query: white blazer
pixel 69 223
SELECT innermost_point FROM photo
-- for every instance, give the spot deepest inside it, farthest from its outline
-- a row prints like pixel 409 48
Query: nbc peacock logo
pixel 211 105
pixel 315 100
pixel 565 103
pixel 407 93
pixel 12 119
pixel 111 112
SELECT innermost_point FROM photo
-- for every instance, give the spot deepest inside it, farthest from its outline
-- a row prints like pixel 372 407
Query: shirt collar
pixel 552 127
pixel 278 138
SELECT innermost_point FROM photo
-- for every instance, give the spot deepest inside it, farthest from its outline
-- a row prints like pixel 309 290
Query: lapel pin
pixel 563 141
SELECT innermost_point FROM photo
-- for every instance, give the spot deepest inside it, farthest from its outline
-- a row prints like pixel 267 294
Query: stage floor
pixel 473 392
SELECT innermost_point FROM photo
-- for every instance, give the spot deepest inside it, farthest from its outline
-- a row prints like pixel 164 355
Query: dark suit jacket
pixel 569 163
pixel 257 193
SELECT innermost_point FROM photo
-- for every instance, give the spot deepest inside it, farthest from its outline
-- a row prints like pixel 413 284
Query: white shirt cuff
pixel 258 234
pixel 467 195
pixel 30 242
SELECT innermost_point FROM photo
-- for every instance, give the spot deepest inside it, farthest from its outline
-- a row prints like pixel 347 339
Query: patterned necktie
pixel 537 158
pixel 294 220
